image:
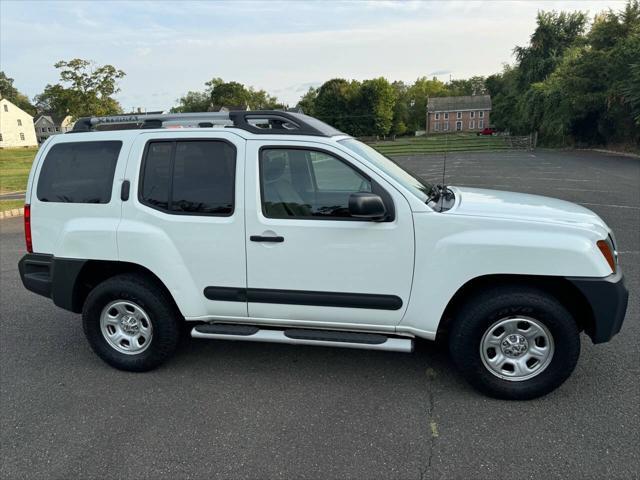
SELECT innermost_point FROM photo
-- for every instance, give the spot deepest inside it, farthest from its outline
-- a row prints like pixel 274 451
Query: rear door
pixel 308 259
pixel 184 218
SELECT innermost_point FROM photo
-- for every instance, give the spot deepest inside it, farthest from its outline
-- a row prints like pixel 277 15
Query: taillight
pixel 27 228
pixel 607 250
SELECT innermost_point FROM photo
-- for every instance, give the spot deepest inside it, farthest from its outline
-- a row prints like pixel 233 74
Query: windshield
pixel 410 181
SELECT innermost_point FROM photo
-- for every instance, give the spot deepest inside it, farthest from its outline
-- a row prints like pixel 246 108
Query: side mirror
pixel 367 205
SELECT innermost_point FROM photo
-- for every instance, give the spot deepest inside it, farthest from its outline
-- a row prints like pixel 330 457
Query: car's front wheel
pixel 130 323
pixel 514 342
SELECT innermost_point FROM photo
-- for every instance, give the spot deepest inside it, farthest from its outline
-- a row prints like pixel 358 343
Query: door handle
pixel 260 238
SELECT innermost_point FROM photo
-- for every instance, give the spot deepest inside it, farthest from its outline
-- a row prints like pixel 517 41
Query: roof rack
pixel 259 122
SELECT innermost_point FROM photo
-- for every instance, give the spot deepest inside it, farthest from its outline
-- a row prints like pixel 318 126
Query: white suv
pixel 275 227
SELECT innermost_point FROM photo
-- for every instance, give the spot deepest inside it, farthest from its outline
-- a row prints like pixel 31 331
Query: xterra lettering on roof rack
pixel 259 122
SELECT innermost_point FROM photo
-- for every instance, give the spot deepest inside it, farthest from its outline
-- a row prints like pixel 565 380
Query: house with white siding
pixel 16 127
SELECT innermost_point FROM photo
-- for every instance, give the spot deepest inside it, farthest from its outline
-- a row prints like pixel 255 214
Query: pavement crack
pixel 433 425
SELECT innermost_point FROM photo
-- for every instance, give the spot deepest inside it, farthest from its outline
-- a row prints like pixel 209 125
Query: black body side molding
pixel 305 297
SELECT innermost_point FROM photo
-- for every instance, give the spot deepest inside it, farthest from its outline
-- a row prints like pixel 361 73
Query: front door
pixel 307 259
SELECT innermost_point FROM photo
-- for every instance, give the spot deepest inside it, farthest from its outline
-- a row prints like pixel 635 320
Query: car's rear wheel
pixel 514 342
pixel 130 323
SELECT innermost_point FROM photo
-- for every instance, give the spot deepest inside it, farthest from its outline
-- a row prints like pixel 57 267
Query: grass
pixel 446 142
pixel 10 204
pixel 15 164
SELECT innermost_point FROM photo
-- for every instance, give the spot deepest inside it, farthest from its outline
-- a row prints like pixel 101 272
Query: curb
pixel 613 152
pixel 15 212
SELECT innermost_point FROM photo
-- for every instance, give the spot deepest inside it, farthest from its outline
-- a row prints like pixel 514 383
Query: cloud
pixel 168 48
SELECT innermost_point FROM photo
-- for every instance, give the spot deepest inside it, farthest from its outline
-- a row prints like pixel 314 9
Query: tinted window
pixel 307 183
pixel 157 171
pixel 79 172
pixel 195 177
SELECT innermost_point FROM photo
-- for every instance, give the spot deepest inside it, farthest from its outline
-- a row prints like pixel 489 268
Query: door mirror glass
pixel 367 205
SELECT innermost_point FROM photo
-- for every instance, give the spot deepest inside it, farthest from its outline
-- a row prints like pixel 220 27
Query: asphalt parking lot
pixel 243 410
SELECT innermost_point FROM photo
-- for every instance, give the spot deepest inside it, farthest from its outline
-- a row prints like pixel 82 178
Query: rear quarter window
pixel 79 172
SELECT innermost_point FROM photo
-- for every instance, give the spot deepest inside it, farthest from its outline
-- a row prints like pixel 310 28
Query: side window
pixel 189 177
pixel 307 184
pixel 332 175
pixel 79 172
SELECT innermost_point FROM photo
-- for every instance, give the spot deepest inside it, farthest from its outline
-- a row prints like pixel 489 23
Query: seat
pixel 281 198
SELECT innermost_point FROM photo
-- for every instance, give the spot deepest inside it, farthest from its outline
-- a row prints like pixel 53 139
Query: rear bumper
pixel 52 277
pixel 608 298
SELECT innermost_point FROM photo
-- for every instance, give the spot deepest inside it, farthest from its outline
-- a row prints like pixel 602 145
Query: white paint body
pixel 423 256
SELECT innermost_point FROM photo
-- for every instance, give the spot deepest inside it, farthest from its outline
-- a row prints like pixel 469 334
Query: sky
pixel 167 48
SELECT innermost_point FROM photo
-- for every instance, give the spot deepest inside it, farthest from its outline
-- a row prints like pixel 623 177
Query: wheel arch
pixel 94 272
pixel 558 287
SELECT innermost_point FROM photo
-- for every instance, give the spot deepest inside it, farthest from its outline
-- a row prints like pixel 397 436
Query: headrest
pixel 273 167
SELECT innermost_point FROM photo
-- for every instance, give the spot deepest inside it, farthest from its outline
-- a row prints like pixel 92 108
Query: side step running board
pixel 302 336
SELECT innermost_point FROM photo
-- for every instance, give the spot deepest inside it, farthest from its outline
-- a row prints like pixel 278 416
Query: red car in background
pixel 487 131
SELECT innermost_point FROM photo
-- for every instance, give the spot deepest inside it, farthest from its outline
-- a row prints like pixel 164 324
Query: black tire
pixel 486 308
pixel 152 299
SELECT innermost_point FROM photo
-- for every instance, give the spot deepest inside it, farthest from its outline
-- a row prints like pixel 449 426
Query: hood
pixel 522 206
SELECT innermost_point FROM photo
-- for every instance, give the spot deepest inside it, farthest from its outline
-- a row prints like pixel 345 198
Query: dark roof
pixel 469 102
pixel 53 118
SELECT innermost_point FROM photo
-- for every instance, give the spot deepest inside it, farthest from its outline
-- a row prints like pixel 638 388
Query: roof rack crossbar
pixel 259 121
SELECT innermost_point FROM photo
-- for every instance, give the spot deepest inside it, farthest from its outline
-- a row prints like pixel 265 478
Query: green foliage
pixel 11 93
pixel 218 93
pixel 308 101
pixel 573 85
pixel 84 90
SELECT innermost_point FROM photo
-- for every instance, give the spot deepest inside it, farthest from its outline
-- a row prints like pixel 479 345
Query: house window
pixel 19 122
pixel 43 129
pixel 22 136
pixel 473 114
pixel 481 114
pixel 446 126
pixel 48 129
pixel 446 115
pixel 458 114
pixel 57 129
pixel 472 124
pixel 436 127
pixel 6 108
pixel 0 137
pixel 437 116
pixel 458 126
pixel 480 123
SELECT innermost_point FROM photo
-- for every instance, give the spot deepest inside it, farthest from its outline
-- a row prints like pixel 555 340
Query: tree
pixel 470 86
pixel 84 90
pixel 555 32
pixel 11 93
pixel 193 102
pixel 336 104
pixel 418 95
pixel 378 99
pixel 218 93
pixel 572 85
pixel 308 101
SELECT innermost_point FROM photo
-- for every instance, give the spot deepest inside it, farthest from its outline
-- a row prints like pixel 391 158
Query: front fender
pixel 453 250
